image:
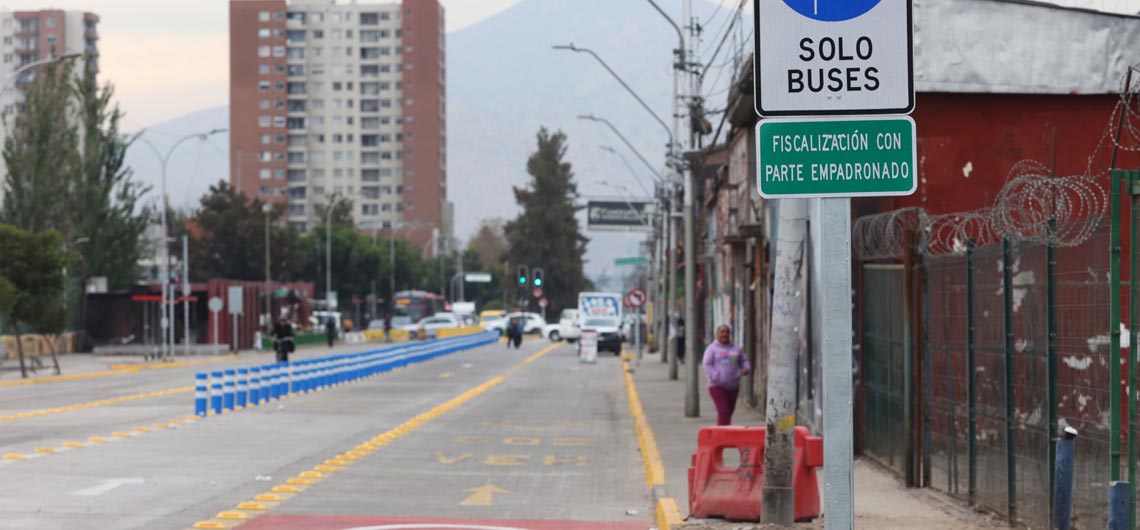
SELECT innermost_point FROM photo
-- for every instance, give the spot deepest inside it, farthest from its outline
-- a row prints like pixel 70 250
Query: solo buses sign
pixel 829 76
pixel 825 57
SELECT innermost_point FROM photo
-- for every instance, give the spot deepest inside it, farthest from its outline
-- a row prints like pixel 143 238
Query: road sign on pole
pixel 635 298
pixel 477 277
pixel 634 261
pixel 536 292
pixel 543 303
pixel 845 157
pixel 826 57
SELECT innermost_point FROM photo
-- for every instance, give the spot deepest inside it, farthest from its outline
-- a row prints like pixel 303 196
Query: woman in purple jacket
pixel 724 365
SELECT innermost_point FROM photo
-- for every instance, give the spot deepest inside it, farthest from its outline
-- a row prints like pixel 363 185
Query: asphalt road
pixel 487 438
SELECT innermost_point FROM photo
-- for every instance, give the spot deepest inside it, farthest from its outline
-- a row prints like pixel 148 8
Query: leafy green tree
pixel 229 239
pixel 546 233
pixel 40 154
pixel 31 283
pixel 105 198
pixel 65 159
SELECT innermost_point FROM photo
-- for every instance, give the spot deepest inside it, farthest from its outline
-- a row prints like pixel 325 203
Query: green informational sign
pixel 622 262
pixel 854 157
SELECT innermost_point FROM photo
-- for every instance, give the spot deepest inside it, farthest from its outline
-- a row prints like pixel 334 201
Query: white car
pixel 608 330
pixel 551 331
pixel 428 327
pixel 532 325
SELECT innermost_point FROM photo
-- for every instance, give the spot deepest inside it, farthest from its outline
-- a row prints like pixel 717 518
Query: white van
pixel 569 327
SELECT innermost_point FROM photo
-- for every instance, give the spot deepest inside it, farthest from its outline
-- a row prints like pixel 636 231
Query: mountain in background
pixel 504 82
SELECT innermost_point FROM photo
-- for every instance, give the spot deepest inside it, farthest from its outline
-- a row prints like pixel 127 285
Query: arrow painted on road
pixel 444 459
pixel 483 495
pixel 106 486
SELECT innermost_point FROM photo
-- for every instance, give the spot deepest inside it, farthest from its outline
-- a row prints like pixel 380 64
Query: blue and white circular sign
pixel 832 10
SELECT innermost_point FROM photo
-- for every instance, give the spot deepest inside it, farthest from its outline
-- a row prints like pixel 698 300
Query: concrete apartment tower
pixel 30 36
pixel 346 99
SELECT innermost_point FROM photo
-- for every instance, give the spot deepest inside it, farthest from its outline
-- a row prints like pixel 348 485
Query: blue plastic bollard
pixel 201 389
pixel 242 386
pixel 1063 484
pixel 216 392
pixel 254 386
pixel 229 388
pixel 1118 494
pixel 283 373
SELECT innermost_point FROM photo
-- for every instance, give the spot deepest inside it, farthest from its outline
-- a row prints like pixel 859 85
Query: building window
pixel 279 173
pixel 334 18
pixel 336 35
pixel 317 17
pixel 317 104
pixel 369 19
pixel 265 174
pixel 263 33
pixel 318 138
pixel 318 34
pixel 263 69
pixel 266 139
pixel 49 22
pixel 264 121
pixel 316 51
pixel 369 209
pixel 279 121
pixel 264 191
pixel 279 51
pixel 263 16
pixel 264 51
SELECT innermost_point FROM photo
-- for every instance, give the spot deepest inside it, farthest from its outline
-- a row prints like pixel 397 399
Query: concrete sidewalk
pixel 881 501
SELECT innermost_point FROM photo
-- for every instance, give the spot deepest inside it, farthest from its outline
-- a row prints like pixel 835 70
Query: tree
pixel 229 239
pixel 31 282
pixel 546 233
pixel 65 160
pixel 105 199
pixel 40 154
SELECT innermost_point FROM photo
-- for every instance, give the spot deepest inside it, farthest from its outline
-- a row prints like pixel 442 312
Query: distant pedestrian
pixel 724 365
pixel 330 331
pixel 518 333
pixel 681 339
pixel 283 340
pixel 388 329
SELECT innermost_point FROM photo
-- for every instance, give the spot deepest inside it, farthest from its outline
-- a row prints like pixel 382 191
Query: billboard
pixel 625 216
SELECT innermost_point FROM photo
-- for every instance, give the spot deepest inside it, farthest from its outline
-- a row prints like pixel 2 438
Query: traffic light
pixel 522 275
pixel 538 277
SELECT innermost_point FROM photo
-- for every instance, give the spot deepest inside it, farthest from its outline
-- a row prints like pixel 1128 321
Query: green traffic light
pixel 522 280
pixel 538 282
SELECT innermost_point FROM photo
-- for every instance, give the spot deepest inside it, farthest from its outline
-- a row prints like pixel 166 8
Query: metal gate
pixel 886 345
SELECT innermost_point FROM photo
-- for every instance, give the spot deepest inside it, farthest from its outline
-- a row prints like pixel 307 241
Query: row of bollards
pixel 236 389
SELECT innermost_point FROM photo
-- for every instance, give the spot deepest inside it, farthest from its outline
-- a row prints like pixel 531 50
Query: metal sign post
pixel 235 309
pixel 215 306
pixel 834 58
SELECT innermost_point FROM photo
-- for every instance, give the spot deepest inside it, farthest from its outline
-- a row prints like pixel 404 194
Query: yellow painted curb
pixel 668 514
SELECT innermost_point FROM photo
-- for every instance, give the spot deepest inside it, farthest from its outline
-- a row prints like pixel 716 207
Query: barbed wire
pixel 1034 205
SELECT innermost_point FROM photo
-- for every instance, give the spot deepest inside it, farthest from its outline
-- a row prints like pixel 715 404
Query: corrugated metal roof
pixel 1019 46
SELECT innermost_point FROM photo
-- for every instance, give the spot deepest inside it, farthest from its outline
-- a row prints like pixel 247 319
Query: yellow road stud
pixel 311 474
pixel 284 489
pixel 14 456
pixel 142 429
pixel 73 444
pixel 45 450
pixel 208 524
pixel 161 426
pixel 97 439
pixel 268 497
pixel 121 434
pixel 252 506
pixel 233 515
pixel 327 469
pixel 298 481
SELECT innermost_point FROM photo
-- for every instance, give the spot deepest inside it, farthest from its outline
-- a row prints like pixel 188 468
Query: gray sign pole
pixel 838 444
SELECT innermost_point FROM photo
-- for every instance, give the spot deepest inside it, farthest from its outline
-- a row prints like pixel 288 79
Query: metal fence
pixel 1014 339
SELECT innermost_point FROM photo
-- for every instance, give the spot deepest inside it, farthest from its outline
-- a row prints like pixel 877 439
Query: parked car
pixel 569 325
pixel 492 315
pixel 429 326
pixel 609 333
pixel 532 325
pixel 551 331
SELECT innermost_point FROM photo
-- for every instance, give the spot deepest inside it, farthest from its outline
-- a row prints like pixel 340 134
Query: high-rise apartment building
pixel 341 99
pixel 27 37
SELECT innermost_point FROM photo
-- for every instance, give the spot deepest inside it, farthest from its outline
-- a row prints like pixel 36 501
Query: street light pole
pixel 168 313
pixel 328 249
pixel 35 64
pixel 268 282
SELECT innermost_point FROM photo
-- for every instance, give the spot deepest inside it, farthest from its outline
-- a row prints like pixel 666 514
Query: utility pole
pixel 268 282
pixel 778 497
pixel 186 290
pixel 692 386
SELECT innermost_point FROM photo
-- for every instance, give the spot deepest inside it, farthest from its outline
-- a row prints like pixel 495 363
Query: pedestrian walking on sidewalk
pixel 330 331
pixel 724 365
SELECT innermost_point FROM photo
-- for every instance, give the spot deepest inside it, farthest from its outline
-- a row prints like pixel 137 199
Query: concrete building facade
pixel 345 100
pixel 30 36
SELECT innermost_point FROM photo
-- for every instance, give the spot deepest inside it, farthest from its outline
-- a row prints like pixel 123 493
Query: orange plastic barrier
pixel 734 492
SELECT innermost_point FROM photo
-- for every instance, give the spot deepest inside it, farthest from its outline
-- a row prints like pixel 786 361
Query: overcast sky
pixel 168 58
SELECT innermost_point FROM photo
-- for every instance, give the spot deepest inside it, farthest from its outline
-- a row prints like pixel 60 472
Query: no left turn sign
pixel 635 298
